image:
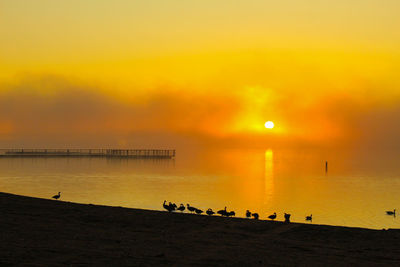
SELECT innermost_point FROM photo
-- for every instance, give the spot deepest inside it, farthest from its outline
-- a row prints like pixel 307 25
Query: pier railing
pixel 126 153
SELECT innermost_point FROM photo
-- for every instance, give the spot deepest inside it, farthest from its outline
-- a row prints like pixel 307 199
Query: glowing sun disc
pixel 269 125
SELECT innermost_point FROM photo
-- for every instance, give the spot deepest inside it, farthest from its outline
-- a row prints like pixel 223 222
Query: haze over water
pixel 357 190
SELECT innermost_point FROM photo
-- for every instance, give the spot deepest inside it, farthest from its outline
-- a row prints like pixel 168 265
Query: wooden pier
pixel 115 153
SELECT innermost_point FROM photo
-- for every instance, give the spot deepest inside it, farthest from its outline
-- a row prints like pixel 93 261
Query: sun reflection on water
pixel 269 174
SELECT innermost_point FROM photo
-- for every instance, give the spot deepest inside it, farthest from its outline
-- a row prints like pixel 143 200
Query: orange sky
pixel 170 73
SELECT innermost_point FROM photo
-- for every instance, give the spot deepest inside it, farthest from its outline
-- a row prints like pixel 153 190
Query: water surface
pixel 356 191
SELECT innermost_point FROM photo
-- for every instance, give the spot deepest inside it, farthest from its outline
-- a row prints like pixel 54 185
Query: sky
pixel 158 73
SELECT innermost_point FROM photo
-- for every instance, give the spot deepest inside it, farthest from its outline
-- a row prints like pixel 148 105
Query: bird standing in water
pixel 309 218
pixel 57 196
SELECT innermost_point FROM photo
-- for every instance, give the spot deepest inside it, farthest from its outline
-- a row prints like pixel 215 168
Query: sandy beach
pixel 41 232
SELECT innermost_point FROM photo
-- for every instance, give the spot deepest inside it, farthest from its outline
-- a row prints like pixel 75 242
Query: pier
pixel 122 153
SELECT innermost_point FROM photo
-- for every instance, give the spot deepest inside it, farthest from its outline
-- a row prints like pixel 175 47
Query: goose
pixel 172 206
pixel 248 214
pixel 273 216
pixel 255 216
pixel 198 211
pixel 389 212
pixel 57 196
pixel 309 218
pixel 181 208
pixel 165 206
pixel 287 217
pixel 231 213
pixel 222 212
pixel 210 212
pixel 191 209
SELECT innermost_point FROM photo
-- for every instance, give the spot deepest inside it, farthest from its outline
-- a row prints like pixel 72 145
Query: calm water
pixel 356 191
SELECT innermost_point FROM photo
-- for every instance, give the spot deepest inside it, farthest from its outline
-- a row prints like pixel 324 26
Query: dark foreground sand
pixel 39 232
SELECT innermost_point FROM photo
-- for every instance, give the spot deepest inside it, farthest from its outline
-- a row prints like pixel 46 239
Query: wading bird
pixel 309 218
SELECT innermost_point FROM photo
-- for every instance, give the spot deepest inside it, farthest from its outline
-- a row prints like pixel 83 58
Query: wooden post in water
pixel 326 166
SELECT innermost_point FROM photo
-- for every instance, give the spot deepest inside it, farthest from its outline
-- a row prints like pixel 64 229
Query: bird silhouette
pixel 287 217
pixel 248 214
pixel 170 207
pixel 389 212
pixel 309 218
pixel 210 212
pixel 191 209
pixel 198 211
pixel 181 208
pixel 57 196
pixel 273 216
pixel 231 213
pixel 255 216
pixel 222 212
pixel 165 206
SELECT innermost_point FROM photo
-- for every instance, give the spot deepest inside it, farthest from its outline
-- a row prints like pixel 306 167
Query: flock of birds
pixel 170 207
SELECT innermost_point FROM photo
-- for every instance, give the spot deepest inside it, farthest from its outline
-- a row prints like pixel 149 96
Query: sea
pixel 356 189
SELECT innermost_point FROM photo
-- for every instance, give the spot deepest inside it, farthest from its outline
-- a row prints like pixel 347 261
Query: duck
pixel 222 212
pixel 191 209
pixel 309 218
pixel 57 196
pixel 210 212
pixel 389 212
pixel 273 216
pixel 181 208
pixel 255 216
pixel 248 214
pixel 287 217
pixel 198 211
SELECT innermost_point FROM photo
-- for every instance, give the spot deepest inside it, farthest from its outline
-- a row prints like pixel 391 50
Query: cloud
pixel 50 108
pixel 51 111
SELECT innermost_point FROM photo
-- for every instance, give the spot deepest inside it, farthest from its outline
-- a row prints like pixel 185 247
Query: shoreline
pixel 39 231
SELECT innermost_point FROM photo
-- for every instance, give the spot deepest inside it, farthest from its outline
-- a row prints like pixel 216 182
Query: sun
pixel 269 125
